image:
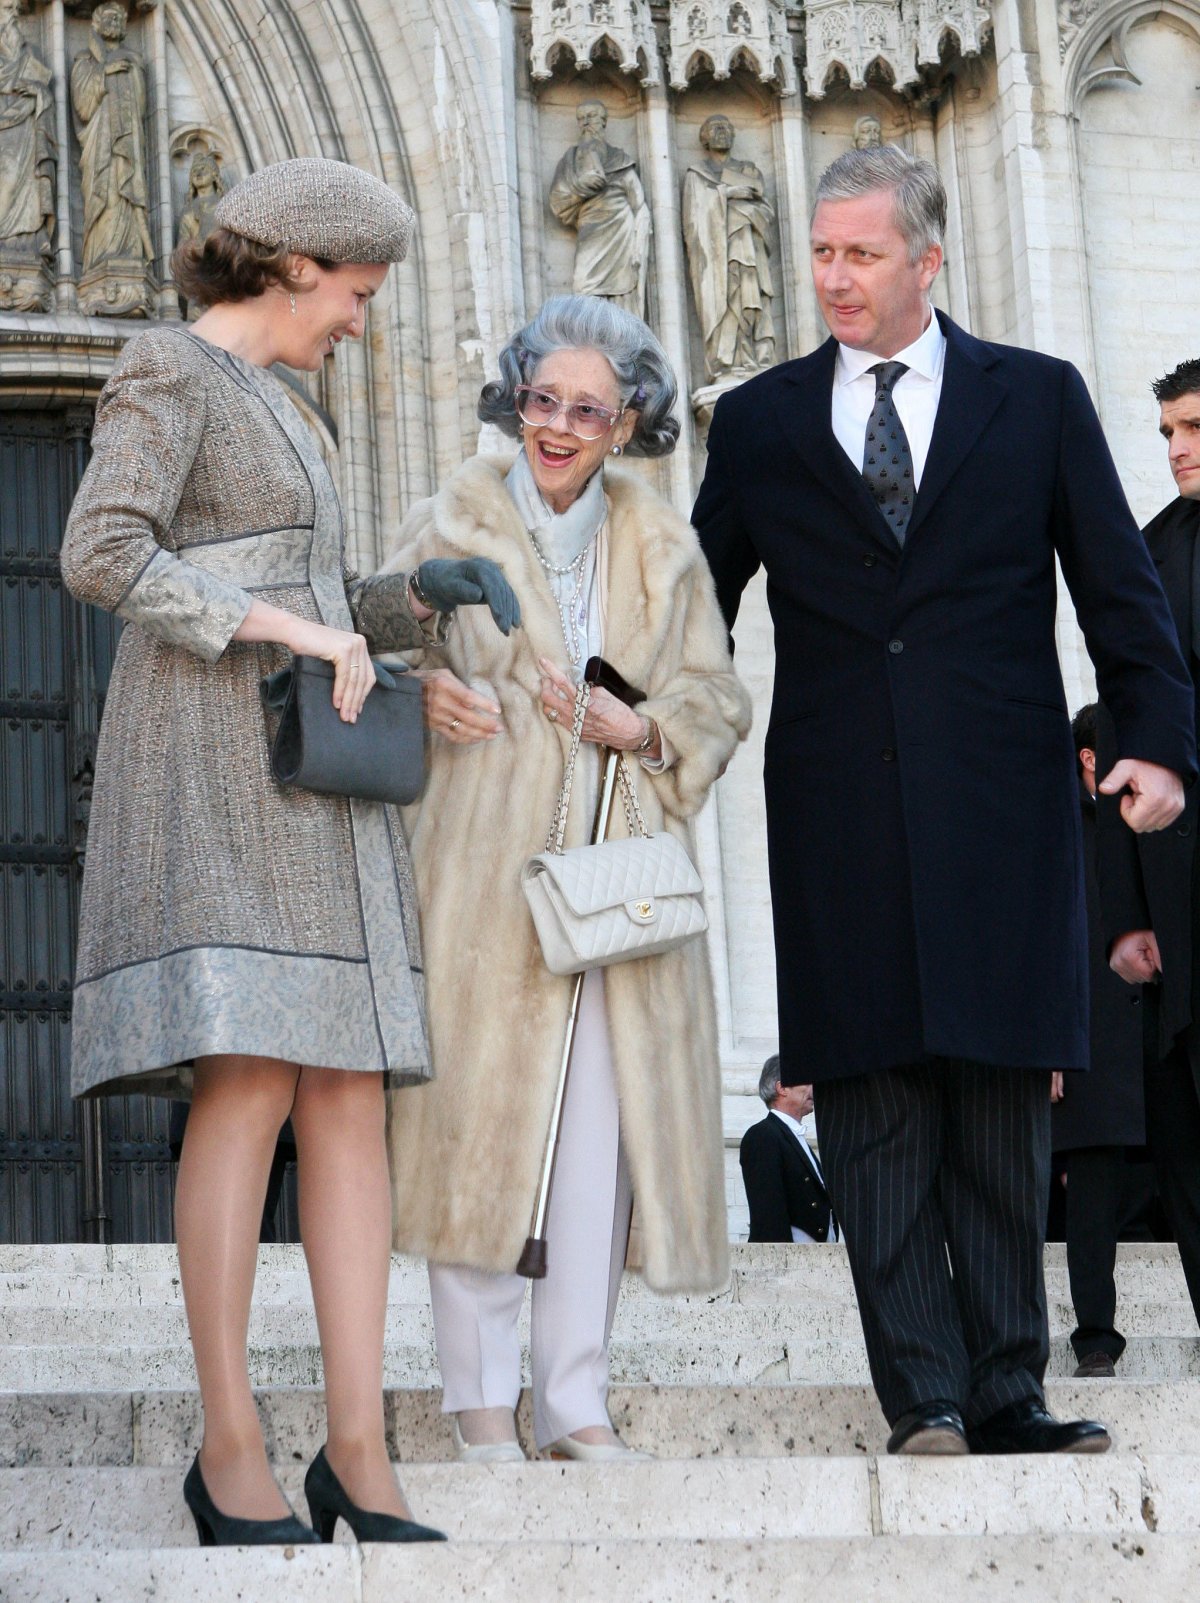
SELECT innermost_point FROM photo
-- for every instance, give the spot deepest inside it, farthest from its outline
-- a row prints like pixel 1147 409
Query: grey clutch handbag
pixel 379 758
pixel 615 899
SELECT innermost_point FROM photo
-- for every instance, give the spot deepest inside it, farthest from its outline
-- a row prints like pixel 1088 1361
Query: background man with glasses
pixel 907 488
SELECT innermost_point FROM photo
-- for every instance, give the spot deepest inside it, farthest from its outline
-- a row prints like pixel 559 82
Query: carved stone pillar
pixel 65 297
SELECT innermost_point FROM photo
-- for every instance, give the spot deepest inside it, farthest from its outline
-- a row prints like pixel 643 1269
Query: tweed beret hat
pixel 320 208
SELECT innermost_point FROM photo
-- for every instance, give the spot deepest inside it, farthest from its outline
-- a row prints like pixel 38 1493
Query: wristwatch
pixel 647 739
pixel 419 596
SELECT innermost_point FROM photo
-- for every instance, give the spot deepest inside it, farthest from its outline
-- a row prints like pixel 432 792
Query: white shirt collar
pixel 793 1125
pixel 924 357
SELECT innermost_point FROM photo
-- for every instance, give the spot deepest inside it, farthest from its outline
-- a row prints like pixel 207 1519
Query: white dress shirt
pixel 916 394
pixel 797 1130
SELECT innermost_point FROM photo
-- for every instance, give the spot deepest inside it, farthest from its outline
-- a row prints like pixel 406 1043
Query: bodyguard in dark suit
pixel 1150 885
pixel 785 1185
pixel 907 488
pixel 1096 1117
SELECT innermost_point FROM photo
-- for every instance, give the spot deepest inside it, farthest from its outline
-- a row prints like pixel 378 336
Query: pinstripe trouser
pixel 939 1173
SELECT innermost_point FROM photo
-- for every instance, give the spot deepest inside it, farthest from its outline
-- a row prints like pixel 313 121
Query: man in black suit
pixel 907 488
pixel 1150 886
pixel 1096 1117
pixel 785 1185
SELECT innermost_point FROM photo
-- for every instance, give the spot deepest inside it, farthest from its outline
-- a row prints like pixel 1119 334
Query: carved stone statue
pixel 868 132
pixel 727 230
pixel 108 92
pixel 26 169
pixel 596 190
pixel 205 188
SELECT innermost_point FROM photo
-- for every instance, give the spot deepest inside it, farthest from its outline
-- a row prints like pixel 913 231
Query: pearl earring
pixel 617 449
pixel 292 301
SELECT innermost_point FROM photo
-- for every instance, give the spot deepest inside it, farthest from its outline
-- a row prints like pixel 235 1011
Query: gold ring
pixel 552 714
pixel 454 723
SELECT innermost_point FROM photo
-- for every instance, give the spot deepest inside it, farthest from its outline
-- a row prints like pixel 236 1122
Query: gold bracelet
pixel 648 739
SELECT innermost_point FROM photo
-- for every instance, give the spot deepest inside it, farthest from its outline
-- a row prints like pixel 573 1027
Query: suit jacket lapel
pixel 970 395
pixel 806 423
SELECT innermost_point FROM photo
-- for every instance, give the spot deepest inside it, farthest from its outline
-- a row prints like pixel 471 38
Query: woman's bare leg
pixel 346 1223
pixel 238 1107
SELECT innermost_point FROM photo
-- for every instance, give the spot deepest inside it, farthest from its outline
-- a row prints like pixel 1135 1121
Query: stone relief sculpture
pixel 205 188
pixel 868 131
pixel 108 93
pixel 719 36
pixel 625 27
pixel 26 169
pixel 727 225
pixel 597 192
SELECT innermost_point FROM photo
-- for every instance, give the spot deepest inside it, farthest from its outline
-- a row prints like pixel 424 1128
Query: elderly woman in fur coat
pixel 602 565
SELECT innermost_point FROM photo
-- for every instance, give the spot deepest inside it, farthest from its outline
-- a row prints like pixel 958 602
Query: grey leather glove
pixel 446 584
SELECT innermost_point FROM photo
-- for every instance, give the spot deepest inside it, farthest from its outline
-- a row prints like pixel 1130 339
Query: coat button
pixel 1135 1001
pixel 869 562
pixel 888 754
pixel 1184 829
pixel 895 647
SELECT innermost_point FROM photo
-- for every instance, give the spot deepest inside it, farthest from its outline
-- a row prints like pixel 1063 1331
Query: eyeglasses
pixel 585 420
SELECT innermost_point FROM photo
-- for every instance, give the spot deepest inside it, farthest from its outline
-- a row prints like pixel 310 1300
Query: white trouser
pixel 475 1313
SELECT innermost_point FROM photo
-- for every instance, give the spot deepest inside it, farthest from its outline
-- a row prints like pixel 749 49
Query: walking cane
pixel 532 1262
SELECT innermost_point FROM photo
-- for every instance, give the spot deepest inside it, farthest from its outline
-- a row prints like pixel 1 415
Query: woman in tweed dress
pixel 242 943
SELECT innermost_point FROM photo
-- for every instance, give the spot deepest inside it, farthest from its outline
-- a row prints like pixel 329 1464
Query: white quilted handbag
pixel 615 899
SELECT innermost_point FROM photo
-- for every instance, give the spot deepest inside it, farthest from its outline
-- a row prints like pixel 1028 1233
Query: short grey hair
pixel 768 1080
pixel 644 377
pixel 915 183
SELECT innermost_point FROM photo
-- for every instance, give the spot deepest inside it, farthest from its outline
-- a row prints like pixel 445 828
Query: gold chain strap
pixel 629 796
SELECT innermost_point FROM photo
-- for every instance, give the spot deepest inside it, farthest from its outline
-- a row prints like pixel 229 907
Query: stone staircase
pixel 771 1479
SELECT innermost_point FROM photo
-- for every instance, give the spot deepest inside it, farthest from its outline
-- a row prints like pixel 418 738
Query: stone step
pixel 746 1257
pixel 1118 1494
pixel 818 1319
pixel 161 1428
pixel 681 1359
pixel 824 1277
pixel 1065 1568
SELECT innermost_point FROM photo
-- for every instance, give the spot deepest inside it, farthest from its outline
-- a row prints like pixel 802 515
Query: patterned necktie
pixel 887 460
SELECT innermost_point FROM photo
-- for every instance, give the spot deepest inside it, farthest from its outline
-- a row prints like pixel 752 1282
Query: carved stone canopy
pixel 580 26
pixel 896 35
pixel 722 34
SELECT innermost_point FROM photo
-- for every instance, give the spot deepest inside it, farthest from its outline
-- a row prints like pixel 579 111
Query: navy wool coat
pixel 922 811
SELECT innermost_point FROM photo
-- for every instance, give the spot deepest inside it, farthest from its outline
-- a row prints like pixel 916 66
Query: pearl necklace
pixel 570 614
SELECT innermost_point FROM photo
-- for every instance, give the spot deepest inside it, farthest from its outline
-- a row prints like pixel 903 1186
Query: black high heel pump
pixel 224 1530
pixel 327 1503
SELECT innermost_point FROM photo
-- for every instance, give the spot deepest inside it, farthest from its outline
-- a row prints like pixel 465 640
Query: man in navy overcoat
pixel 907 489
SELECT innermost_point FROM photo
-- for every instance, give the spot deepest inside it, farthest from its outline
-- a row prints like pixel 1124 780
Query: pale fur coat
pixel 466 1149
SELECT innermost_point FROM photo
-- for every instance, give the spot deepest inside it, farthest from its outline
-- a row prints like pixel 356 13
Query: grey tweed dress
pixel 221 912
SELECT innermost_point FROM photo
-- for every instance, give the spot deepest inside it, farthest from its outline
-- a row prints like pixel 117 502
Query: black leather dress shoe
pixel 1026 1427
pixel 932 1430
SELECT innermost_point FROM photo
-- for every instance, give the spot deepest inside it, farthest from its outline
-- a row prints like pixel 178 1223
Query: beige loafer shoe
pixel 597 1452
pixel 485 1452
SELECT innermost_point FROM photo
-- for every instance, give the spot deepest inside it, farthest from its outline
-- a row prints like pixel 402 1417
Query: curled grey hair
pixel 644 378
pixel 915 183
pixel 768 1080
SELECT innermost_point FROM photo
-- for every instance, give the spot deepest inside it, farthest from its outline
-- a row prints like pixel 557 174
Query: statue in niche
pixel 108 93
pixel 205 188
pixel 597 192
pixel 868 132
pixel 727 230
pixel 26 169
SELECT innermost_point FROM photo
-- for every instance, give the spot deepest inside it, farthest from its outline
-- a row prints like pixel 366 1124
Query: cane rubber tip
pixel 532 1262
